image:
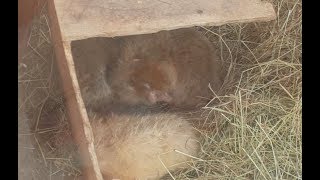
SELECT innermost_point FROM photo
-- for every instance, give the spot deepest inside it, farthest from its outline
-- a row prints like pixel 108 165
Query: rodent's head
pixel 153 81
pixel 149 82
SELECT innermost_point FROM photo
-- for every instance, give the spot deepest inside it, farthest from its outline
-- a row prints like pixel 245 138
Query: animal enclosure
pixel 82 132
pixel 85 21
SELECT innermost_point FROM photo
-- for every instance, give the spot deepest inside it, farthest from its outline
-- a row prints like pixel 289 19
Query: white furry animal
pixel 143 146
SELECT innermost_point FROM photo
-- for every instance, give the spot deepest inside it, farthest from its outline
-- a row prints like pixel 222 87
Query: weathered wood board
pixel 79 121
pixel 81 19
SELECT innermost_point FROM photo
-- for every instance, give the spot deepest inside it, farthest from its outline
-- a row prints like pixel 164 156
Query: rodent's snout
pixel 159 96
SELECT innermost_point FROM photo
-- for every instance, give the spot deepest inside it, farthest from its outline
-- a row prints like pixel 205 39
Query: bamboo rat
pixel 143 146
pixel 175 67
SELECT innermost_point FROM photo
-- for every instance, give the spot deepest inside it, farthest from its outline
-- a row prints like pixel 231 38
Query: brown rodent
pixel 143 146
pixel 90 59
pixel 175 67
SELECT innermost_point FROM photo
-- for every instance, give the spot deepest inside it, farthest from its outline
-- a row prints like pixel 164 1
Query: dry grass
pixel 258 123
pixel 42 116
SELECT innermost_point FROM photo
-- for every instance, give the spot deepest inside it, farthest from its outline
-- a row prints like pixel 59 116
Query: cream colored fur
pixel 134 147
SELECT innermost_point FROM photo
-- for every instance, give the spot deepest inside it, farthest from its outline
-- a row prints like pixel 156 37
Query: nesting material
pixel 42 115
pixel 258 126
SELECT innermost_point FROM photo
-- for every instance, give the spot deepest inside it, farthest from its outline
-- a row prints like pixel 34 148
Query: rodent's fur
pixel 133 146
pixel 91 57
pixel 171 66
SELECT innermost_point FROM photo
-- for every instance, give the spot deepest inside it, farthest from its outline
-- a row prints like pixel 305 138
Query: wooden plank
pixel 80 125
pixel 81 19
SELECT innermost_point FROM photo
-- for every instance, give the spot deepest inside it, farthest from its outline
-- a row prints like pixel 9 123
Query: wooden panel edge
pixel 269 10
pixel 77 114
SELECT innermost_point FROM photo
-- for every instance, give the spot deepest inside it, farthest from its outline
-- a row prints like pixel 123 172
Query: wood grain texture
pixel 80 125
pixel 81 19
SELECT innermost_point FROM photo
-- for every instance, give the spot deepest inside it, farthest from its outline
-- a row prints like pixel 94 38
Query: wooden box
pixel 81 19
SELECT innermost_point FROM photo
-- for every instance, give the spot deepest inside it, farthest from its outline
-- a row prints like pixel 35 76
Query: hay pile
pixel 41 111
pixel 259 125
pixel 258 122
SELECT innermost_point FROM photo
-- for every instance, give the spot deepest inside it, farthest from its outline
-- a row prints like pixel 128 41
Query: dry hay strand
pixel 41 111
pixel 258 125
